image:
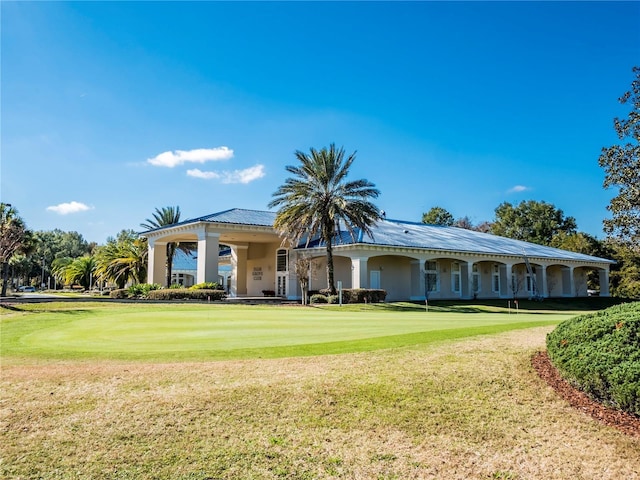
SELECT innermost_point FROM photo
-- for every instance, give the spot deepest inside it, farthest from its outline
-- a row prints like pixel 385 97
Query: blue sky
pixel 112 109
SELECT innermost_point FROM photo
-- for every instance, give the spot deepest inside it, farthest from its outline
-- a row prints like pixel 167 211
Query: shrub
pixel 186 294
pixel 360 295
pixel 318 298
pixel 600 354
pixel 119 293
pixel 334 299
pixel 207 286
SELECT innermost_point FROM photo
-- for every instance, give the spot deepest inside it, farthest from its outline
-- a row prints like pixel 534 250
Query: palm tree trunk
pixel 328 238
pixel 5 278
pixel 169 264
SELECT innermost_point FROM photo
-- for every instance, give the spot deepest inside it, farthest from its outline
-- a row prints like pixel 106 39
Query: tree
pixel 438 216
pixel 531 221
pixel 319 199
pixel 622 169
pixel 162 218
pixel 53 244
pixel 15 238
pixel 123 259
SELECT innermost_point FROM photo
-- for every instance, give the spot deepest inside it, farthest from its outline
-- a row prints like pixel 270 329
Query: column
pixel 157 262
pixel 567 282
pixel 603 276
pixel 239 270
pixel 417 280
pixel 359 272
pixel 543 293
pixel 208 253
pixel 469 280
pixel 508 273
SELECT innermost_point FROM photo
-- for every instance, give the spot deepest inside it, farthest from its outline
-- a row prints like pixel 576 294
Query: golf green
pixel 215 331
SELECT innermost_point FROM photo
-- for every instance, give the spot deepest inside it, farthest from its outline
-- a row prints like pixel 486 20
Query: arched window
pixel 282 260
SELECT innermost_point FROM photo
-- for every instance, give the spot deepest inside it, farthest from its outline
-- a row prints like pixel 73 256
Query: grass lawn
pixel 203 332
pixel 91 391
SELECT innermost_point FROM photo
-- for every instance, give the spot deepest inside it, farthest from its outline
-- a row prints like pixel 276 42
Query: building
pixel 411 261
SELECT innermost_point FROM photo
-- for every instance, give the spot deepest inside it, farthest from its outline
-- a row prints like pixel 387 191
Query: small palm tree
pixel 318 199
pixel 123 259
pixel 162 218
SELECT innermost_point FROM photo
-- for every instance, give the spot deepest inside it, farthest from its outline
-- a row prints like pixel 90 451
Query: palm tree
pixel 319 199
pixel 162 218
pixel 14 239
pixel 123 259
pixel 80 270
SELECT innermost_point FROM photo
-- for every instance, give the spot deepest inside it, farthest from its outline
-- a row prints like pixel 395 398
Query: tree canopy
pixel 318 199
pixel 622 169
pixel 438 216
pixel 531 221
pixel 15 238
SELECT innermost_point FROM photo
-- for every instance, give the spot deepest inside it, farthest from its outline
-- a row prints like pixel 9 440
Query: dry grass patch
pixel 467 409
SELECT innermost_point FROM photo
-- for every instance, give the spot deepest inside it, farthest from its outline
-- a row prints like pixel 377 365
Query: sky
pixel 110 110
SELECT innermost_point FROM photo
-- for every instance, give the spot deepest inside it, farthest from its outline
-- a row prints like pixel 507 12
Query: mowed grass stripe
pixel 203 332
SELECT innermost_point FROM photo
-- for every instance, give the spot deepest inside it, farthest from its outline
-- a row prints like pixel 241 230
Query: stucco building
pixel 411 261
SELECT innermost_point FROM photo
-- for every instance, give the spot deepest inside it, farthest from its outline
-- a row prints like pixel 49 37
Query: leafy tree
pixel 162 218
pixel 123 259
pixel 624 278
pixel 622 169
pixel 319 198
pixel 438 216
pixel 531 221
pixel 15 238
pixel 53 244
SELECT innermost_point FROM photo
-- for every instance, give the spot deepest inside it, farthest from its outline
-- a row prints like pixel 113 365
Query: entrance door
pixel 281 284
pixel 374 279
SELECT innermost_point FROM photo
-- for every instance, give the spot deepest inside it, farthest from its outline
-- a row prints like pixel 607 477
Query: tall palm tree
pixel 318 199
pixel 14 239
pixel 123 259
pixel 162 218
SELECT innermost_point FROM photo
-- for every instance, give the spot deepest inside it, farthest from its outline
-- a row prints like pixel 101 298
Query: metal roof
pixel 404 234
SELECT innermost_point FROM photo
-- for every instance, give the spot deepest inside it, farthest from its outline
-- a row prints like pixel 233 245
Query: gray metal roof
pixel 398 233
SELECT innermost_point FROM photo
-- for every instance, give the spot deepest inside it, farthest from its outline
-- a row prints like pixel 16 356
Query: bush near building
pixel 599 353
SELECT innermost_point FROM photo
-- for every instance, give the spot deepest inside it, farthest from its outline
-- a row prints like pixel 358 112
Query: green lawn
pixel 186 332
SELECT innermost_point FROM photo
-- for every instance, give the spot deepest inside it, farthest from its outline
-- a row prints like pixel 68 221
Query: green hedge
pixel 358 295
pixel 600 354
pixel 186 294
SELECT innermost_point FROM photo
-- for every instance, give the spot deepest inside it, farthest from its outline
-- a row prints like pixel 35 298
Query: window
pixel 431 276
pixel 455 277
pixel 475 278
pixel 282 260
pixel 495 278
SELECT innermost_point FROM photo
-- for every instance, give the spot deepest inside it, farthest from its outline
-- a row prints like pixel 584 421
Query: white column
pixel 359 272
pixel 156 262
pixel 470 291
pixel 239 270
pixel 603 275
pixel 208 254
pixel 543 293
pixel 509 282
pixel 417 280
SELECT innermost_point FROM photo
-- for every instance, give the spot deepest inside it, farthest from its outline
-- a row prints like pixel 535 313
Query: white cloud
pixel 518 188
pixel 198 155
pixel 71 207
pixel 200 174
pixel 245 176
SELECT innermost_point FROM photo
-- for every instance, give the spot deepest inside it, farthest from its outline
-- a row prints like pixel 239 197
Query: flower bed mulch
pixel 629 424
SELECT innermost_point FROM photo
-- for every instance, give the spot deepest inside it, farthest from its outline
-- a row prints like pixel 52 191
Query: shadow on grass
pixel 551 305
pixel 15 308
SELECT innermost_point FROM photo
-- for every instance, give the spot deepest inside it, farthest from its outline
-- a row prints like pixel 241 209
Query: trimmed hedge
pixel 187 294
pixel 599 353
pixel 318 298
pixel 358 295
pixel 119 293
